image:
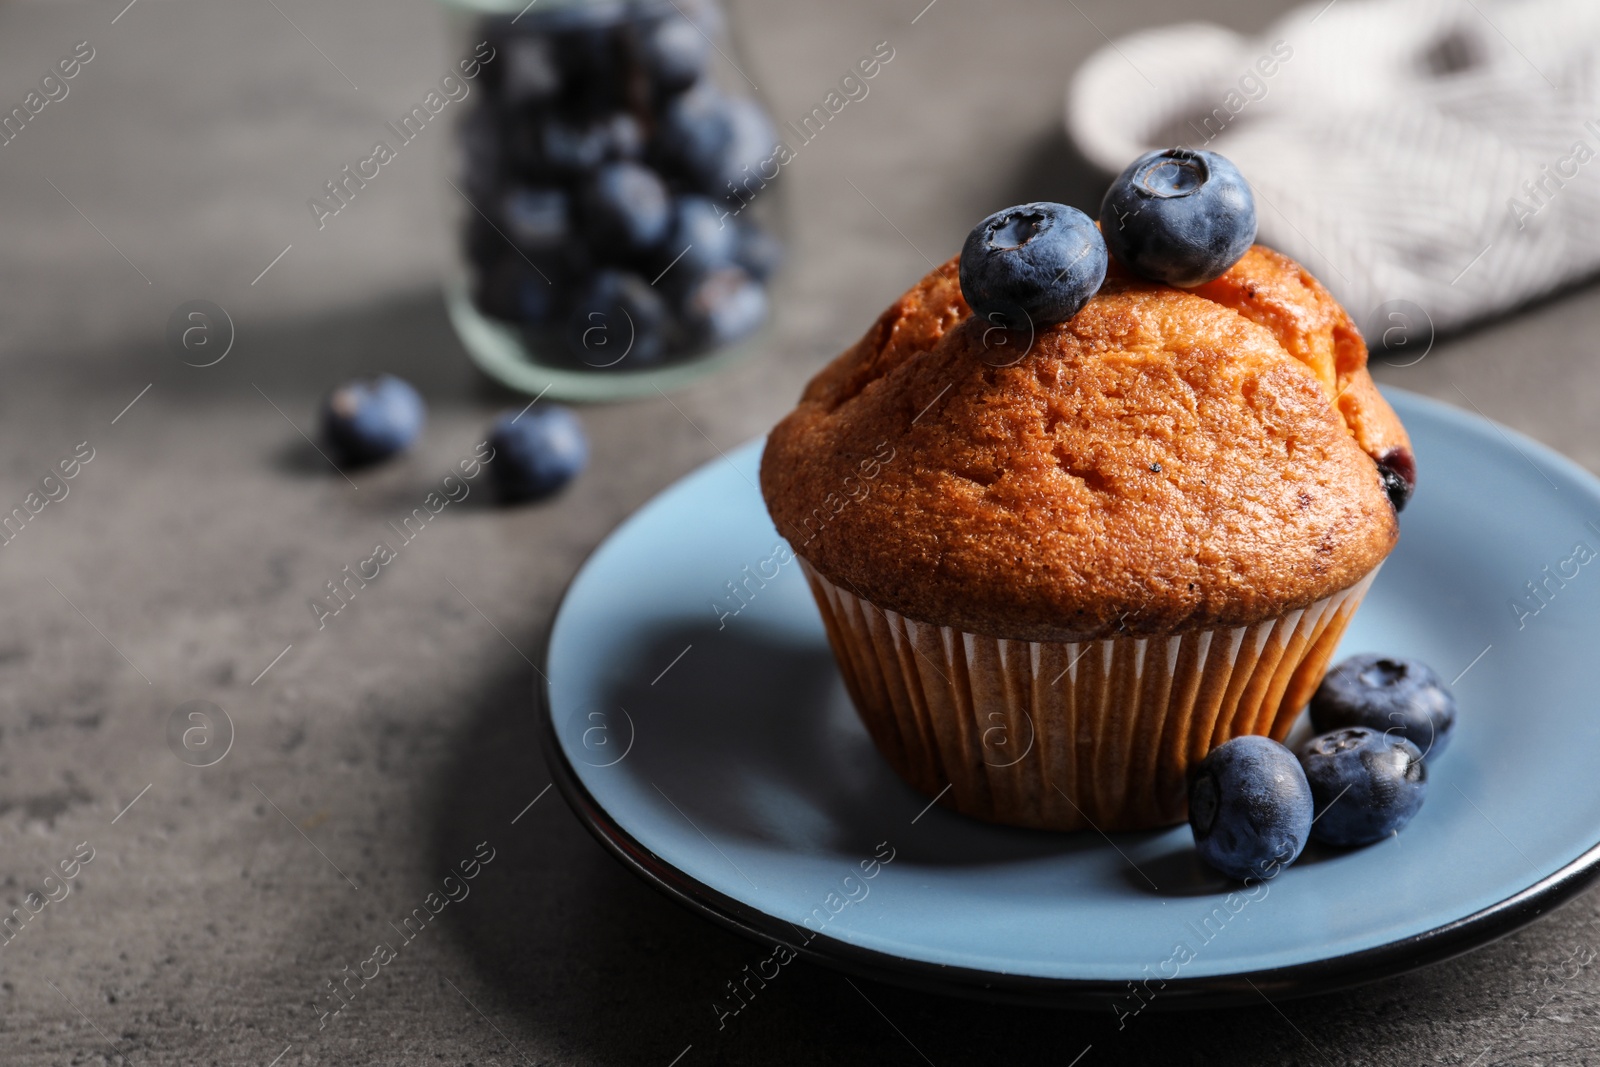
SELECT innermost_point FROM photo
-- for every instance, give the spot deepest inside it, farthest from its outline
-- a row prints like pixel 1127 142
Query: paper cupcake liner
pixel 1076 734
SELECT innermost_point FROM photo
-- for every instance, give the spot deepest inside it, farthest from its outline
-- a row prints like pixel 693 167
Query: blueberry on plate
pixel 626 210
pixel 723 306
pixel 370 419
pixel 1367 784
pixel 675 53
pixel 1390 694
pixel 1179 216
pixel 1249 808
pixel 1032 265
pixel 536 452
pixel 1397 469
pixel 619 320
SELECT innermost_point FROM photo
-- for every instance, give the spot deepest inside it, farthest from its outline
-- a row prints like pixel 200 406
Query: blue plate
pixel 701 731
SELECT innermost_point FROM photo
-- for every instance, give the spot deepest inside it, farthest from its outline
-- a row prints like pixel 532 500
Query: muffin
pixel 1056 571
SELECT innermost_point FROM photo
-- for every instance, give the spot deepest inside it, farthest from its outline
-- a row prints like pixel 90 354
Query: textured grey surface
pixel 395 740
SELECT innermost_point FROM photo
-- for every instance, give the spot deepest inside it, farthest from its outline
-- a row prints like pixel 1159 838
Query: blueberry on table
pixel 1032 265
pixel 1397 469
pixel 536 452
pixel 626 209
pixel 370 419
pixel 619 320
pixel 1367 784
pixel 1390 694
pixel 675 52
pixel 1179 216
pixel 1250 808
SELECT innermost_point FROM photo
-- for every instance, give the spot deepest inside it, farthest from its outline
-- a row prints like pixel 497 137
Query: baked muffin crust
pixel 1167 460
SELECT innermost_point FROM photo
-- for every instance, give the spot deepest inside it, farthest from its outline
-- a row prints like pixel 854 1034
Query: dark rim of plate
pixel 1244 987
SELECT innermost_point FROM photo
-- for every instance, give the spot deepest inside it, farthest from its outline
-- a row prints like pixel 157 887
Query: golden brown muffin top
pixel 1166 460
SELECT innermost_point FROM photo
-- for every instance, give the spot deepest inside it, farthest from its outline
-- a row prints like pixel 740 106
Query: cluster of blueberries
pixel 537 450
pixel 1253 804
pixel 1177 215
pixel 607 170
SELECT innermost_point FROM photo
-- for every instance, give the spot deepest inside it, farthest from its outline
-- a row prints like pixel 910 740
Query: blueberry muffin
pixel 1058 565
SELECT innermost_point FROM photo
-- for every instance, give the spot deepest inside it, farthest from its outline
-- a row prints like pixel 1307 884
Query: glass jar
pixel 613 192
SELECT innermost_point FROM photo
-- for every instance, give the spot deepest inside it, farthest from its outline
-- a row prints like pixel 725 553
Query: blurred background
pixel 373 753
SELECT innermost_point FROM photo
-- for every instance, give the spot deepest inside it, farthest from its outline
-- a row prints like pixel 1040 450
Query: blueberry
pixel 752 143
pixel 626 209
pixel 588 54
pixel 1389 694
pixel 1179 216
pixel 370 419
pixel 530 74
pixel 536 452
pixel 1249 808
pixel 592 16
pixel 1367 784
pixel 760 253
pixel 1033 264
pixel 1398 471
pixel 576 148
pixel 535 218
pixel 723 306
pixel 619 320
pixel 719 143
pixel 706 14
pixel 512 289
pixel 702 238
pixel 675 53
pixel 482 151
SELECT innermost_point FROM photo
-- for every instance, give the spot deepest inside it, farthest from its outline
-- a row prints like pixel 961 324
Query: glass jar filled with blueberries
pixel 614 179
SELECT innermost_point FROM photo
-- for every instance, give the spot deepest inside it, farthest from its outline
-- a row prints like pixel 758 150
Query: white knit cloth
pixel 1443 152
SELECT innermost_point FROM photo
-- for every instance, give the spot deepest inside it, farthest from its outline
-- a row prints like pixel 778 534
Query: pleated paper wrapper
pixel 1071 735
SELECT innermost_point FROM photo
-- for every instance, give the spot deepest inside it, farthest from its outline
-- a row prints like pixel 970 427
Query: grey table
pixel 371 755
